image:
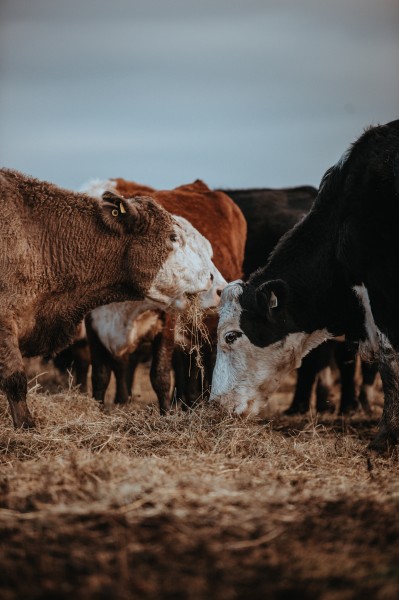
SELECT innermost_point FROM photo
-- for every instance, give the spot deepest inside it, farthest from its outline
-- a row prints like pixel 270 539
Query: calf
pixel 115 333
pixel 64 253
pixel 221 222
pixel 333 274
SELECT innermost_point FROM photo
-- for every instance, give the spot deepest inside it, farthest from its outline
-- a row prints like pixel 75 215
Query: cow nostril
pixel 219 292
pixel 212 277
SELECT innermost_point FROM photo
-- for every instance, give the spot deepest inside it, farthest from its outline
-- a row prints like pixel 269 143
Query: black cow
pixel 270 213
pixel 333 274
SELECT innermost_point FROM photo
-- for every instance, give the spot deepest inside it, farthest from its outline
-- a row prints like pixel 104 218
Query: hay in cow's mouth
pixel 191 333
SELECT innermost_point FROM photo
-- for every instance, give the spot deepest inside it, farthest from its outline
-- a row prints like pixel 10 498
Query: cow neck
pixel 83 255
pixel 305 259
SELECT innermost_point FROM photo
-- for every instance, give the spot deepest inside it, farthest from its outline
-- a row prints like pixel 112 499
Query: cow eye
pixel 173 237
pixel 231 336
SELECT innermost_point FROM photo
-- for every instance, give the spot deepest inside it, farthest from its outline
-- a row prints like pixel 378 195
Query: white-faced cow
pixel 335 273
pixel 63 253
pixel 116 330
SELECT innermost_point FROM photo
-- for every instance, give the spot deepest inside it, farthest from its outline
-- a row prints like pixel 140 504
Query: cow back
pixel 269 214
pixel 216 216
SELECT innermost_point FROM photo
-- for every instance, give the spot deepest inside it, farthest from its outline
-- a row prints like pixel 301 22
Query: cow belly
pixel 47 336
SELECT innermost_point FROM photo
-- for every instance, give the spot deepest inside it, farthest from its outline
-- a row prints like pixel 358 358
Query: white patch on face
pixel 211 298
pixel 121 326
pixel 246 375
pixel 187 270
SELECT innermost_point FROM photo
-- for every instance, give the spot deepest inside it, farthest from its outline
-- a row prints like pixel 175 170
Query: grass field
pixel 122 503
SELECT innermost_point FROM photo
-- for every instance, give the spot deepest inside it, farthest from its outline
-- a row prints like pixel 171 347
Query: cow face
pixel 187 270
pixel 168 257
pixel 211 298
pixel 258 344
pixel 200 245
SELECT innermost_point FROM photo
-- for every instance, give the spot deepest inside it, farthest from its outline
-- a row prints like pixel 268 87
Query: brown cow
pixel 111 335
pixel 64 253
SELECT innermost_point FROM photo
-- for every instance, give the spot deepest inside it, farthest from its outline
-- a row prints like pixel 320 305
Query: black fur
pixel 348 238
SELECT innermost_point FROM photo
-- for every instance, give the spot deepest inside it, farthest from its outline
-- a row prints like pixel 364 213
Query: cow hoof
pixel 349 409
pixel 27 423
pixel 21 417
pixel 382 444
pixel 365 405
pixel 121 401
pixel 368 411
pixel 326 407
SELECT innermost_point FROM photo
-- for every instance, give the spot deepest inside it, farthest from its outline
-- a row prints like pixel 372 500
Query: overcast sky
pixel 239 93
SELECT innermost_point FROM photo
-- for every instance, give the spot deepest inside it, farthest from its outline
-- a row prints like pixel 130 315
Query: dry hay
pixel 196 505
pixel 191 333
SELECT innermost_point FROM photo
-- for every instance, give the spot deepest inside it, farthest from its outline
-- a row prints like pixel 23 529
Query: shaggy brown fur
pixel 62 254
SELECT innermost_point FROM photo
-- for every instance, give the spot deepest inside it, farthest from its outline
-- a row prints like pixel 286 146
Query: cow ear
pixel 118 214
pixel 271 297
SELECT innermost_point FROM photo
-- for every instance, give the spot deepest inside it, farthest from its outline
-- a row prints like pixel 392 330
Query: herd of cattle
pixel 303 277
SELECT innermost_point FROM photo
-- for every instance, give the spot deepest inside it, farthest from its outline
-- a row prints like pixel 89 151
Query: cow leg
pixel 366 393
pixel 323 363
pixel 209 359
pixel 388 431
pixel 191 382
pixel 100 375
pixel 345 357
pixel 201 379
pixel 180 368
pixel 12 377
pixel 82 373
pixel 121 368
pixel 82 364
pixel 306 376
pixel 194 384
pixel 312 364
pixel 100 363
pixel 162 348
pixel 133 361
pixel 324 386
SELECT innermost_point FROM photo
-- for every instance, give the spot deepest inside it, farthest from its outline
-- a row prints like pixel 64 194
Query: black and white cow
pixel 270 213
pixel 335 273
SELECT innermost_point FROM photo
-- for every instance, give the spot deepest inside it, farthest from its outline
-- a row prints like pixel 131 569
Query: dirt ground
pixel 122 503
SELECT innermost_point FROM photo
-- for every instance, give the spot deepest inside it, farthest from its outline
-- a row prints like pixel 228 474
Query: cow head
pixel 198 245
pixel 194 255
pixel 258 344
pixel 167 257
